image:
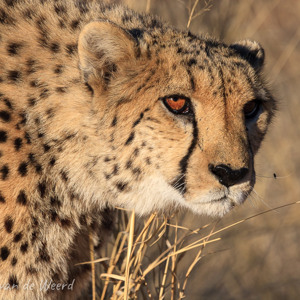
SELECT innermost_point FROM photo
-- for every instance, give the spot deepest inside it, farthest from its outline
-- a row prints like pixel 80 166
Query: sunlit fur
pixel 83 129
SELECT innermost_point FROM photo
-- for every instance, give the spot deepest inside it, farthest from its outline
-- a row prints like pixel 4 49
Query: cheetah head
pixel 181 117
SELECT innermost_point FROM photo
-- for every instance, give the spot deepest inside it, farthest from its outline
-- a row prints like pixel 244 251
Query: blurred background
pixel 260 258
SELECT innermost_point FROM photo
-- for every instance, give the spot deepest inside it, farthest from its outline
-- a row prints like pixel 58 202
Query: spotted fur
pixel 84 128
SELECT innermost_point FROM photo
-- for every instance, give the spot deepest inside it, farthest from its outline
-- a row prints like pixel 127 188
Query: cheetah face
pixel 183 117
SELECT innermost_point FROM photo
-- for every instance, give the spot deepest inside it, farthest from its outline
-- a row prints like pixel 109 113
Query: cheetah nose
pixel 226 175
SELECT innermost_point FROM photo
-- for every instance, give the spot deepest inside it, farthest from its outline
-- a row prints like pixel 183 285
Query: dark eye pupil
pixel 251 108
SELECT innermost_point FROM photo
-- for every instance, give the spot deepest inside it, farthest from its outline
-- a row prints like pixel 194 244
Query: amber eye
pixel 251 109
pixel 177 104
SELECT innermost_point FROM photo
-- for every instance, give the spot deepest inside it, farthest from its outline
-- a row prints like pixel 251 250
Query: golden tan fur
pixel 84 128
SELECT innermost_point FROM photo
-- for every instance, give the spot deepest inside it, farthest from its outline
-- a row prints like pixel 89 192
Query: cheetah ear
pixel 251 51
pixel 103 47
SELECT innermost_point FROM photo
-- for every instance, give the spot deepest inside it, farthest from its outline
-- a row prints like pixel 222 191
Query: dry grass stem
pixel 193 14
pixel 148 5
pixel 91 244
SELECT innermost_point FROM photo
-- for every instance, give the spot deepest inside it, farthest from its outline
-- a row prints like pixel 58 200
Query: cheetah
pixel 102 107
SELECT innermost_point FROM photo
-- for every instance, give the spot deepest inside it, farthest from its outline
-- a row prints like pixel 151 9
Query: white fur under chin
pixel 155 194
pixel 150 195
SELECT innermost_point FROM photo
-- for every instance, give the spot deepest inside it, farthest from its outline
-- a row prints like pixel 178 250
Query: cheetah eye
pixel 177 104
pixel 251 109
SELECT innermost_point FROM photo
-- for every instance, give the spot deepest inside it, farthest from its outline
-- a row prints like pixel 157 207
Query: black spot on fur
pixel 5 19
pixel 191 62
pixel 3 136
pixel 22 198
pixel 114 121
pixel 8 224
pixel 8 103
pixel 61 24
pixel 46 147
pixel 137 172
pixel 23 169
pixel 31 157
pixel 130 138
pixel 17 237
pixel 23 119
pixel 129 164
pixel 18 143
pixel 54 201
pixel 11 2
pixel 34 236
pixel 14 261
pixel 14 48
pixel 75 24
pixel 31 270
pixel 27 138
pixel 82 220
pixel 138 120
pixel 43 254
pixel 61 89
pixel 24 247
pixel 52 161
pixel 13 282
pixel 44 94
pixel 121 186
pixel 58 69
pixel 64 176
pixel 53 214
pixel 38 168
pixel 148 161
pixel 2 199
pixel 54 47
pixel 71 49
pixel 34 83
pixel 4 172
pixel 42 189
pixel 28 14
pixel 4 253
pixel 60 9
pixel 5 115
pixel 136 152
pixel 192 80
pixel 65 222
pixel 14 76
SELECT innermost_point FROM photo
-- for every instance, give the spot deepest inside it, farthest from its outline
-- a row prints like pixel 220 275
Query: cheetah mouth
pixel 220 200
pixel 224 198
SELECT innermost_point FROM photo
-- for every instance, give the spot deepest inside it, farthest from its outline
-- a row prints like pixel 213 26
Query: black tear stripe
pixel 180 182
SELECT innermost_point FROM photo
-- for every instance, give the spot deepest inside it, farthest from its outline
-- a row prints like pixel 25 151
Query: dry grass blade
pixel 174 258
pixel 193 264
pixel 148 5
pixel 93 261
pixel 115 255
pixel 91 244
pixel 162 286
pixel 193 15
pixel 112 276
pixel 129 251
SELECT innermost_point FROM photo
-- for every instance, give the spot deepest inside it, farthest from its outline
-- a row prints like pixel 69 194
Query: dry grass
pixel 160 258
pixel 145 261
